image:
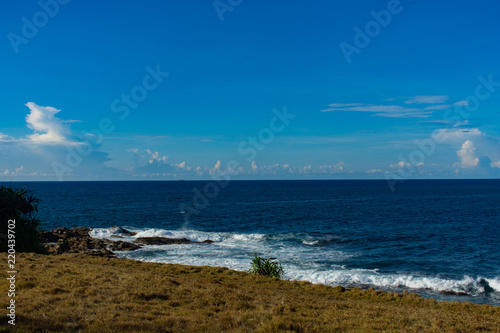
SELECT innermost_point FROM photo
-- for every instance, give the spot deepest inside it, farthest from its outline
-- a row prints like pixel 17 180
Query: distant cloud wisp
pixel 437 99
pixel 396 111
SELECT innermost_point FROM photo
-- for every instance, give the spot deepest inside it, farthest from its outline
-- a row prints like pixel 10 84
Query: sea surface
pixel 427 236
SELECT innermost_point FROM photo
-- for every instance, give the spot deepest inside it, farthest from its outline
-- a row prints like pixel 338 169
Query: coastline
pixel 101 293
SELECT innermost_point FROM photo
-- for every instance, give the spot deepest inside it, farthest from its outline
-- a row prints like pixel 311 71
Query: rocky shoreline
pixel 78 240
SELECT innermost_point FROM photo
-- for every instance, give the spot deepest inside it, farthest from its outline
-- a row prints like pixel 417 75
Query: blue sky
pixel 251 89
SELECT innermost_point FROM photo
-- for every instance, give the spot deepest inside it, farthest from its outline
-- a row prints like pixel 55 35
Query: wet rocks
pixel 166 240
pixel 54 235
pixel 119 231
pixel 78 240
pixel 123 246
pixel 449 292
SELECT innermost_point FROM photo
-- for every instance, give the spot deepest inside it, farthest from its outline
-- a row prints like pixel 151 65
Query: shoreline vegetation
pixel 81 292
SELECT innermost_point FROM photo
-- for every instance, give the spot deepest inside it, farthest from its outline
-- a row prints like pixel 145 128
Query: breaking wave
pixel 316 258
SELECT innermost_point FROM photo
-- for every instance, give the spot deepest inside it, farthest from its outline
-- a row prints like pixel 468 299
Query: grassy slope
pixel 79 292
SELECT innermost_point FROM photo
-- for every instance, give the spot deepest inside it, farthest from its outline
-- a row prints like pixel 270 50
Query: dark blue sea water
pixel 427 236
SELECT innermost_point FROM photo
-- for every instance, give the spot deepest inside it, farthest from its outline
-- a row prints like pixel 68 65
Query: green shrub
pixel 20 205
pixel 266 267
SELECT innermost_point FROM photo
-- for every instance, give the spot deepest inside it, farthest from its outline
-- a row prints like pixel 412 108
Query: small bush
pixel 266 267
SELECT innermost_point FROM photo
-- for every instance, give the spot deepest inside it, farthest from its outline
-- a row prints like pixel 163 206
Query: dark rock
pixel 166 241
pixel 123 246
pixel 450 292
pixel 48 237
pixel 162 240
pixel 80 231
pixel 121 231
pixel 78 240
pixel 54 235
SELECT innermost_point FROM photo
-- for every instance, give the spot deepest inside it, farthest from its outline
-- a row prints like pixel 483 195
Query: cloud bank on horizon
pixel 53 140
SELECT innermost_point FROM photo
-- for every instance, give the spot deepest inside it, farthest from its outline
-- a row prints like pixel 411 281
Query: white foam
pixel 247 237
pixel 467 284
pixel 301 262
pixel 494 283
pixel 100 233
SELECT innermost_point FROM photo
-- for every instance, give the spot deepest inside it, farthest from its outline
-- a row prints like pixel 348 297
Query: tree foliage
pixel 20 205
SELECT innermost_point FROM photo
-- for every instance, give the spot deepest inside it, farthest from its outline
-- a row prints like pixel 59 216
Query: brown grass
pixel 74 292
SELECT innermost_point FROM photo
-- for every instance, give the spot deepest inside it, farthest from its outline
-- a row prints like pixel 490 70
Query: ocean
pixel 425 237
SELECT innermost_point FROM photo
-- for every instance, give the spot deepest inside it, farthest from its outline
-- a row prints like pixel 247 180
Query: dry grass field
pixel 75 292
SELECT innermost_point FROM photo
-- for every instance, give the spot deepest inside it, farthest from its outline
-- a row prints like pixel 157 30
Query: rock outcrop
pixel 78 240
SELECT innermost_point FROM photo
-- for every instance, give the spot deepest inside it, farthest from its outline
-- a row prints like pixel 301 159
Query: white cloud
pixel 396 111
pixel 390 111
pixel 467 155
pixel 48 129
pixel 19 171
pixel 334 168
pixel 438 107
pixel 398 165
pixel 489 147
pixel 383 108
pixel 436 99
pixel 183 165
pixel 5 138
pixel 456 136
pixel 338 105
pixel 374 171
pixel 156 157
